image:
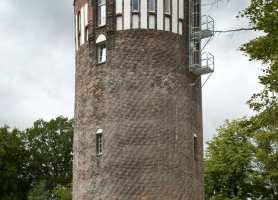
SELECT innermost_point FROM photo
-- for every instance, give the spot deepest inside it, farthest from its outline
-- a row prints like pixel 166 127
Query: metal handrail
pixel 208 21
pixel 209 60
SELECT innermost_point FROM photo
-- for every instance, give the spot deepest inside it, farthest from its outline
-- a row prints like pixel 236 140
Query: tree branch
pixel 241 29
pixel 216 2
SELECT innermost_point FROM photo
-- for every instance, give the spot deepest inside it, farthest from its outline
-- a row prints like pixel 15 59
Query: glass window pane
pixel 167 6
pixel 151 5
pixel 103 15
pixel 104 54
pixel 135 5
pixel 79 21
pixel 100 144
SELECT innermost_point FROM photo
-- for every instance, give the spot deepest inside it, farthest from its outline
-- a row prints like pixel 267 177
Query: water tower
pixel 138 104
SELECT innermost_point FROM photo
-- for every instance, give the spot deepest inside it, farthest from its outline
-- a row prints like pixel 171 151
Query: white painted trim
pixel 167 24
pixel 126 14
pixel 119 23
pixel 99 131
pixel 175 16
pixel 160 15
pixel 151 22
pixel 76 32
pixel 144 17
pixel 119 4
pixel 100 38
pixel 135 21
pixel 181 9
pixel 82 26
pixel 180 28
pixel 86 14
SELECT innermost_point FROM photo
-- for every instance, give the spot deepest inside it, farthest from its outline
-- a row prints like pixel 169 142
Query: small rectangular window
pixel 101 12
pixel 86 33
pixel 195 147
pixel 79 21
pixel 167 6
pixel 152 5
pixel 79 39
pixel 99 144
pixel 101 53
pixel 135 5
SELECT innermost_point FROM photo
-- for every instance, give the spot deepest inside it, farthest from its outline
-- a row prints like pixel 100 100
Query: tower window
pixel 135 5
pixel 79 21
pixel 99 144
pixel 86 33
pixel 101 12
pixel 152 5
pixel 195 147
pixel 101 48
pixel 79 29
pixel 167 6
pixel 101 53
pixel 99 141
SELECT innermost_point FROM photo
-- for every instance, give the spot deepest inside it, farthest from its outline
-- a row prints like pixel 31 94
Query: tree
pixel 50 148
pixel 263 14
pixel 39 192
pixel 266 162
pixel 228 162
pixel 13 177
pixel 263 17
pixel 63 193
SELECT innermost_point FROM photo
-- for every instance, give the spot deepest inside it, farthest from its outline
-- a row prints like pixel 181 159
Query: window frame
pixel 79 28
pixel 100 42
pixel 153 6
pixel 100 52
pixel 86 34
pixel 101 21
pixel 196 147
pixel 79 20
pixel 167 2
pixel 99 142
pixel 133 6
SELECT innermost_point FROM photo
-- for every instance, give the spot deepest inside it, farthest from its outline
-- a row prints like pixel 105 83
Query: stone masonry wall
pixel 142 99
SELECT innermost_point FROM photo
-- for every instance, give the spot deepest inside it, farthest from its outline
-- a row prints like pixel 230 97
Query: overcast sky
pixel 37 64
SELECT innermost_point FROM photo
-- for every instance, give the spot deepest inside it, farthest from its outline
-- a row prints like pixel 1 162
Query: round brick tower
pixel 138 122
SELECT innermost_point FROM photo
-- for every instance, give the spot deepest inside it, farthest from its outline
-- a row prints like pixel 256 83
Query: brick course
pixel 142 100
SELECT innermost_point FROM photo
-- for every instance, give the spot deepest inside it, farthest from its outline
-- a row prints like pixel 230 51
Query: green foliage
pixel 63 193
pixel 247 168
pixel 266 160
pixel 263 14
pixel 228 163
pixel 13 177
pixel 50 148
pixel 39 192
pixel 242 161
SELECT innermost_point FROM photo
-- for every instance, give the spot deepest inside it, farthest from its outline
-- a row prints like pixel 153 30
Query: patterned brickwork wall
pixel 142 99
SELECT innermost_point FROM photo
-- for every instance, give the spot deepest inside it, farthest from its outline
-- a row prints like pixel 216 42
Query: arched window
pixel 101 48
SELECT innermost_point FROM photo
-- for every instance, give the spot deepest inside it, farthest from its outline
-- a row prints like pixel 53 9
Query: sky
pixel 37 64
